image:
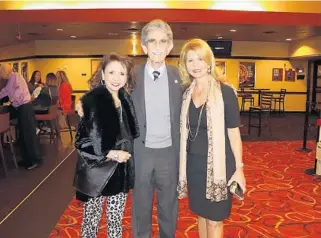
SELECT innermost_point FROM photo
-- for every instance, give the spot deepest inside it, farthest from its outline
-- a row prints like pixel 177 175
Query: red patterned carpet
pixel 281 200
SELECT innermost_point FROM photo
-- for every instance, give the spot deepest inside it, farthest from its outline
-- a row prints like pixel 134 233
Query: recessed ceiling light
pixel 220 37
pixel 233 30
pixel 288 39
pixel 59 29
pixel 73 37
pixel 112 34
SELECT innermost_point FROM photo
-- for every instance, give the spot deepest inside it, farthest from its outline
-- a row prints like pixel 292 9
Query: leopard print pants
pixel 93 210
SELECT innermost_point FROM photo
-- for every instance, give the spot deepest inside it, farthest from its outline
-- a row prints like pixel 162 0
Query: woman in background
pixel 48 95
pixel 35 85
pixel 211 146
pixel 104 142
pixel 65 91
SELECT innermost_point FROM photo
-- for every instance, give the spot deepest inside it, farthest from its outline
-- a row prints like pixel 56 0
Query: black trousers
pixel 28 142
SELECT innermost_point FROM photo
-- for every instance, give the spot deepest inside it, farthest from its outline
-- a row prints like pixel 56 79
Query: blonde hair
pixel 205 52
pixel 62 77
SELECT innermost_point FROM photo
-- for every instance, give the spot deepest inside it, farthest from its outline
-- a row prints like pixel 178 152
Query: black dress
pixel 123 170
pixel 197 159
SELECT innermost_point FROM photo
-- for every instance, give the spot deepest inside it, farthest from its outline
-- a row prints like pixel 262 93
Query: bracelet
pixel 116 157
pixel 240 165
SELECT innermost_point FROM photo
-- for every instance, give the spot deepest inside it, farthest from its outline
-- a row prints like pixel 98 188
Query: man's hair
pixel 156 25
pixel 4 75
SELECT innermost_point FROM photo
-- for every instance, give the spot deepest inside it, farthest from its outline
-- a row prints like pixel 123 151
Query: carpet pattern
pixel 281 200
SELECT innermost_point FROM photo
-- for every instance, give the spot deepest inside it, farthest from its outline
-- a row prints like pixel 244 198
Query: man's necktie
pixel 156 75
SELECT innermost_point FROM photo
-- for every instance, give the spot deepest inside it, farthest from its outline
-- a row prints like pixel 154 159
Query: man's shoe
pixel 32 166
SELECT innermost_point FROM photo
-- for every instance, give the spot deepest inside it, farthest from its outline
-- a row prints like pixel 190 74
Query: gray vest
pixel 158 118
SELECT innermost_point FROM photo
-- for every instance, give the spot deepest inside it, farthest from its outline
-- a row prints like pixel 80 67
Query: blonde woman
pixel 211 146
pixel 65 91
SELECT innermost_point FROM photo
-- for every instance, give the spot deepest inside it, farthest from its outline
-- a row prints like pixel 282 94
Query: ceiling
pixel 124 30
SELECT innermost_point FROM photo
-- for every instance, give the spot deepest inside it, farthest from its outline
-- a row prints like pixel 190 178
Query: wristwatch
pixel 240 165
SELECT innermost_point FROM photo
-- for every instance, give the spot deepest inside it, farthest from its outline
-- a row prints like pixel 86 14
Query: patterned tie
pixel 156 75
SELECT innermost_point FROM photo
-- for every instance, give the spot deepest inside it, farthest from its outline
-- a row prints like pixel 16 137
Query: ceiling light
pixel 220 37
pixel 112 34
pixel 59 29
pixel 73 37
pixel 288 39
pixel 232 30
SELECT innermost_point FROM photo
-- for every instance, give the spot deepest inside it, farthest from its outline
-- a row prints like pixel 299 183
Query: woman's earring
pixel 209 70
pixel 102 81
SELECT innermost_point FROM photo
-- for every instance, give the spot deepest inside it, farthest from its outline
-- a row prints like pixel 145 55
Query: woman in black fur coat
pixel 104 142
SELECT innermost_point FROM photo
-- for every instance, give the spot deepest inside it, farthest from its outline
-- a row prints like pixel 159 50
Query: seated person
pixel 48 95
pixel 35 84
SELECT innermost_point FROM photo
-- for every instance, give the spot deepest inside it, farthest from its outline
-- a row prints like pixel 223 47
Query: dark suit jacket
pixel 175 99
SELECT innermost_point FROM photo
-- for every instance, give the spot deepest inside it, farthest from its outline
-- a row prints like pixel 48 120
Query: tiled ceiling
pixel 206 31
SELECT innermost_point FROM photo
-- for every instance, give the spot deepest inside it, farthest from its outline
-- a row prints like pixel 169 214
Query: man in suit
pixel 157 100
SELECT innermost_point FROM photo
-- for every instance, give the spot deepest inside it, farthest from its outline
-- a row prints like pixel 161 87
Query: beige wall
pixel 98 47
pixel 260 49
pixel 17 50
pixel 309 47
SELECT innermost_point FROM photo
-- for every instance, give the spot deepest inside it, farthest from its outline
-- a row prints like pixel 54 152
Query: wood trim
pixel 253 92
pixel 228 57
pixel 274 92
pixel 142 56
pixel 291 112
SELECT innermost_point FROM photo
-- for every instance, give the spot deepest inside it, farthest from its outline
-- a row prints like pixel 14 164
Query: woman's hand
pixel 119 156
pixel 79 109
pixel 238 177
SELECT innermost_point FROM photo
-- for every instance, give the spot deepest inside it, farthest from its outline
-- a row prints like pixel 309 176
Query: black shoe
pixel 32 166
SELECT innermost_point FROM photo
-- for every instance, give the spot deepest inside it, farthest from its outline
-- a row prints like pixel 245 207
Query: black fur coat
pixel 98 133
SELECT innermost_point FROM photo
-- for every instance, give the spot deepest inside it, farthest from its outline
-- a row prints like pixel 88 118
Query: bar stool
pixel 51 120
pixel 263 111
pixel 246 98
pixel 279 100
pixel 5 130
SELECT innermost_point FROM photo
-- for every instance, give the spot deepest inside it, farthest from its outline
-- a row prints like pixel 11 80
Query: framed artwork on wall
pixel 247 74
pixel 15 67
pixel 94 65
pixel 289 75
pixel 221 67
pixel 277 74
pixel 24 70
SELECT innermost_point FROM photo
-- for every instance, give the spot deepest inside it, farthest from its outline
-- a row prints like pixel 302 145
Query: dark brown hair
pixel 33 77
pixel 96 79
